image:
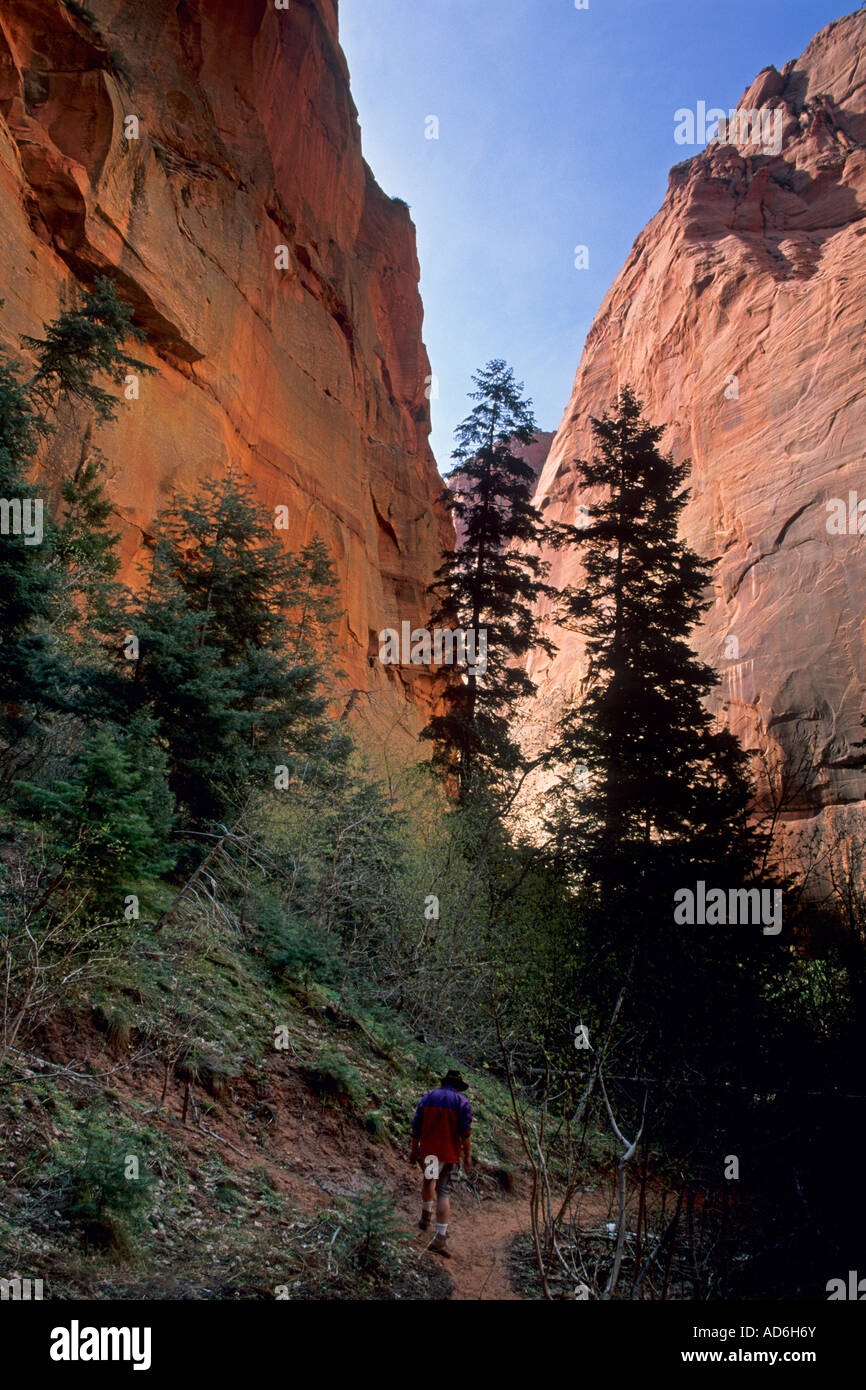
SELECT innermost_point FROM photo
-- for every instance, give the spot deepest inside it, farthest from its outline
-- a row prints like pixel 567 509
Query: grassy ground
pixel 199 1121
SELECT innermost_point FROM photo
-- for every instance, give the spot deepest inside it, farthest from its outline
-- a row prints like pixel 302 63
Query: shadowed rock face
pixel 740 319
pixel 311 379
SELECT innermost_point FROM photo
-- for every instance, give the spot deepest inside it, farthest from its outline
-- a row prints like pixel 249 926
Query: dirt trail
pixel 480 1235
pixel 314 1155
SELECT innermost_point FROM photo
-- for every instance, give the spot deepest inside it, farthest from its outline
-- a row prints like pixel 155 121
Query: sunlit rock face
pixel 312 379
pixel 740 319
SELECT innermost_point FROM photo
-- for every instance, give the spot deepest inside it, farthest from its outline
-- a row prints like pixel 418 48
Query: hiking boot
pixel 424 1223
pixel 439 1246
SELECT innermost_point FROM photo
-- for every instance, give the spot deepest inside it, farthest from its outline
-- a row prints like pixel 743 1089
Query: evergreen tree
pixel 110 817
pixel 41 584
pixel 85 543
pixel 653 769
pixel 312 590
pixel 27 583
pixel 179 680
pixel 229 630
pixel 85 343
pixel 491 583
pixel 656 797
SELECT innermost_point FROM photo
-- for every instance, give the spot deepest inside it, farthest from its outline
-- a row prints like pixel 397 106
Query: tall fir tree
pixel 110 817
pixel 655 796
pixel 27 583
pixel 43 586
pixel 230 661
pixel 96 787
pixel 84 344
pixel 491 583
pixel 653 770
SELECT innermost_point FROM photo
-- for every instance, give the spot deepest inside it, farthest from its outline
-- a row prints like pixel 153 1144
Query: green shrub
pixel 116 1024
pixel 298 950
pixel 371 1233
pixel 100 1189
pixel 203 1066
pixel 333 1075
pixel 228 1194
pixel 376 1124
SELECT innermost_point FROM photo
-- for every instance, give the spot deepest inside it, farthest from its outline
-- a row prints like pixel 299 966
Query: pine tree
pixel 83 344
pixel 656 796
pixel 86 544
pixel 110 817
pixel 40 584
pixel 492 584
pixel 27 583
pixel 229 629
pixel 653 769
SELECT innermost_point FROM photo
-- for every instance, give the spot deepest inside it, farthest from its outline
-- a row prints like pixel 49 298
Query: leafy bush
pixel 371 1234
pixel 203 1066
pixel 105 1190
pixel 333 1075
pixel 297 950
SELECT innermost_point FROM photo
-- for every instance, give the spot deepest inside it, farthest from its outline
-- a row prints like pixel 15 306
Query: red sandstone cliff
pixel 755 269
pixel 311 379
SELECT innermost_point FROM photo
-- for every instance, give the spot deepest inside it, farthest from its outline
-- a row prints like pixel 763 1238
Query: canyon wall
pixel 303 367
pixel 740 319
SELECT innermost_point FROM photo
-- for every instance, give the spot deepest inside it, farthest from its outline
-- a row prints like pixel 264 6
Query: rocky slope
pixel 310 378
pixel 739 318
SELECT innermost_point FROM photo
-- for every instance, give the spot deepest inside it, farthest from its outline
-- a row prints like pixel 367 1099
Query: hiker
pixel 441 1133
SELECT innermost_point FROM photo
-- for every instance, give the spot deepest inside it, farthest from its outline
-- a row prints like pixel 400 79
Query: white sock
pixel 441 1228
pixel 428 1206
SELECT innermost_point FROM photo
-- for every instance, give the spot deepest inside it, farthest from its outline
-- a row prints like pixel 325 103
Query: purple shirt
pixel 442 1120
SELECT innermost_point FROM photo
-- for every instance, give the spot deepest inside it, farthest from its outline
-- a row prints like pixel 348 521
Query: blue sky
pixel 556 129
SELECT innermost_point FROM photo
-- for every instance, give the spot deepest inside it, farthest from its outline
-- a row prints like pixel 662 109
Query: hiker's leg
pixel 432 1170
pixel 428 1202
pixel 443 1211
pixel 443 1201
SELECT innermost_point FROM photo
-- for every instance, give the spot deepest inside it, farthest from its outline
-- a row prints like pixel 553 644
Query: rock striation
pixel 207 155
pixel 740 319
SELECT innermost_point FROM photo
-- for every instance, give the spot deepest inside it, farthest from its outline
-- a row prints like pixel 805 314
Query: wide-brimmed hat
pixel 455 1080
